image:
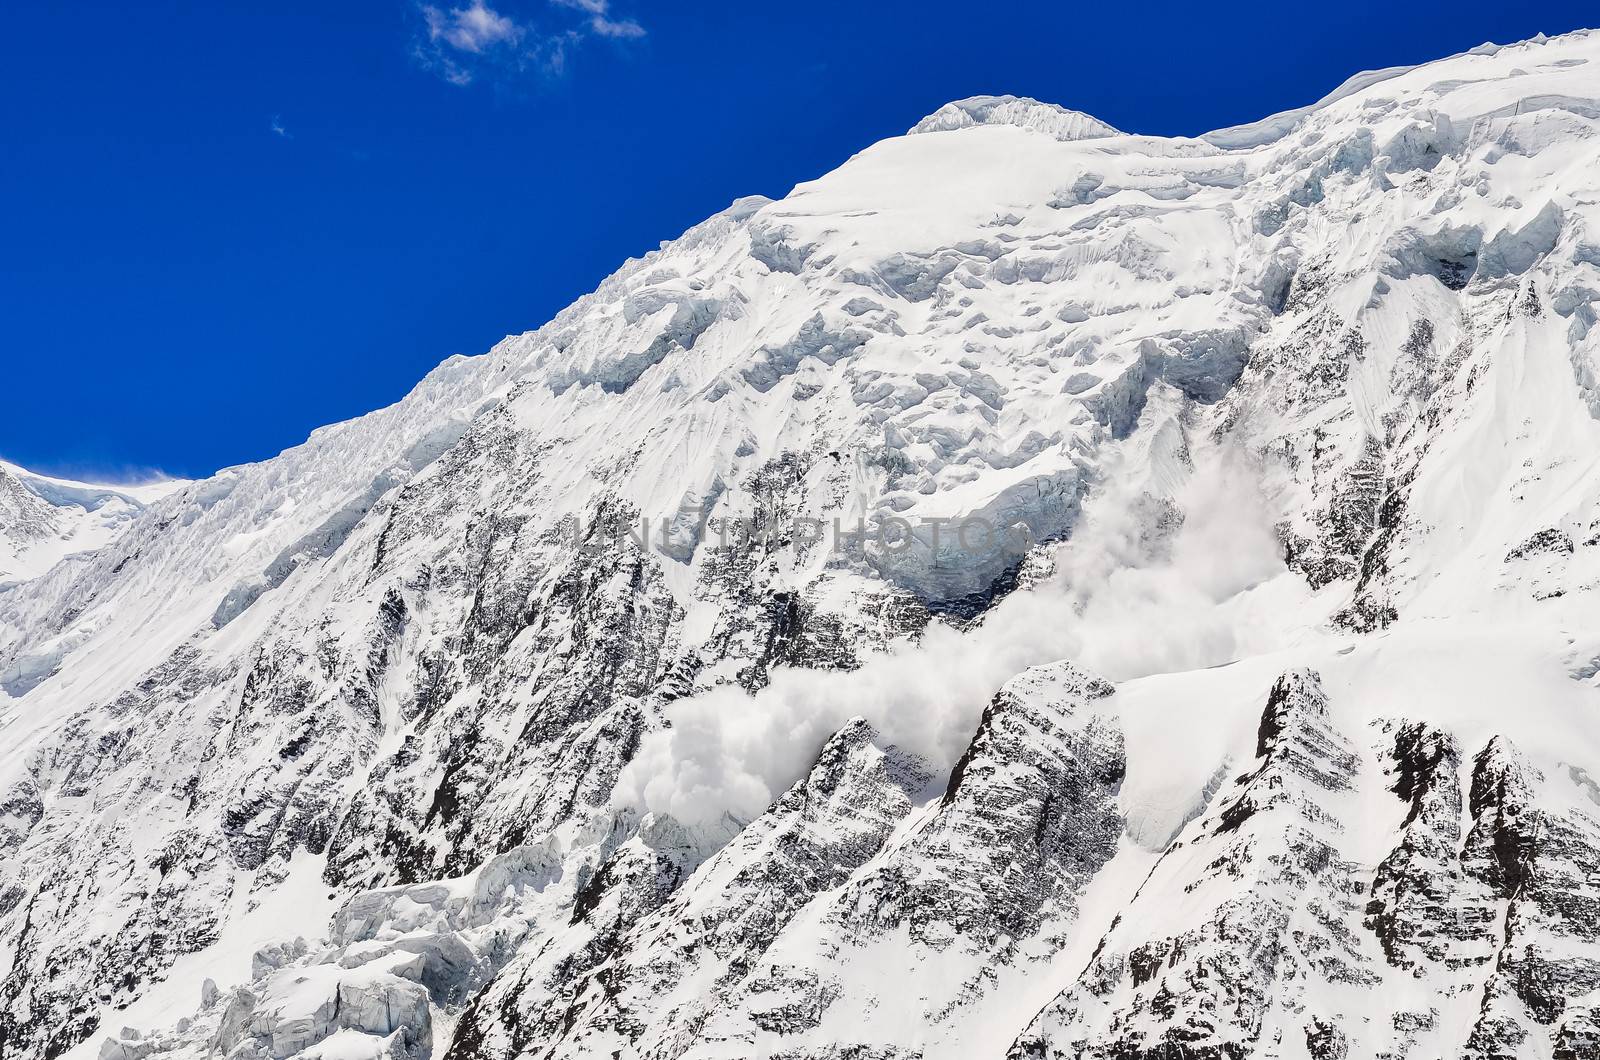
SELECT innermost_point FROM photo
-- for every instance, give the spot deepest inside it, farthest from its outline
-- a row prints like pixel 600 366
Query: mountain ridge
pixel 1302 437
pixel 45 519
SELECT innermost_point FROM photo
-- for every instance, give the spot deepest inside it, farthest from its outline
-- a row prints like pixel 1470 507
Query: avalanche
pixel 1282 742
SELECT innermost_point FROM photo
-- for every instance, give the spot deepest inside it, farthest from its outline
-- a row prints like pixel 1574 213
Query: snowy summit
pixel 1024 113
pixel 1098 595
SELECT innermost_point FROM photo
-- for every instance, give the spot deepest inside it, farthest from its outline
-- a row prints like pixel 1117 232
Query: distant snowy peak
pixel 90 495
pixel 45 519
pixel 1025 113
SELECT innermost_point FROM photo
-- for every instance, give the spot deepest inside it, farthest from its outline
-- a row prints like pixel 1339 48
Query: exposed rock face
pixel 1274 936
pixel 1543 866
pixel 1426 909
pixel 730 964
pixel 665 975
pixel 1268 897
pixel 986 881
pixel 1287 431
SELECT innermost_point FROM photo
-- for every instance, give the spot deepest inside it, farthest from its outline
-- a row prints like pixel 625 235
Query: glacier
pixel 45 519
pixel 1280 739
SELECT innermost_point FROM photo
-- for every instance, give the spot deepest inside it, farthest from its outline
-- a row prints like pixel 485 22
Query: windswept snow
pixel 44 519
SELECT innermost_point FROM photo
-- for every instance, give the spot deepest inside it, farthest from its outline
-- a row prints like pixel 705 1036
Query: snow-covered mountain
pixel 1035 591
pixel 44 520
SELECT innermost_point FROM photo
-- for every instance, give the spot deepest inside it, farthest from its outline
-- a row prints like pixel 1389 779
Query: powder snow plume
pixel 1123 601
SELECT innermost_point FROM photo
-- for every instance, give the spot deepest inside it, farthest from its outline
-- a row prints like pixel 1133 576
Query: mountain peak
pixel 521 709
pixel 1020 111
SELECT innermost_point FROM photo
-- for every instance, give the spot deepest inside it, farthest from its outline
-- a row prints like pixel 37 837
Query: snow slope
pixel 44 519
pixel 1269 731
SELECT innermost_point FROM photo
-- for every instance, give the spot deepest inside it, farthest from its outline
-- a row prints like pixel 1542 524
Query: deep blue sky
pixel 184 286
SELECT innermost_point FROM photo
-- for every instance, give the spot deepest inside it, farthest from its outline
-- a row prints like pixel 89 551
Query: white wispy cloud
pixel 277 127
pixel 464 44
pixel 600 20
pixel 623 27
pixel 471 29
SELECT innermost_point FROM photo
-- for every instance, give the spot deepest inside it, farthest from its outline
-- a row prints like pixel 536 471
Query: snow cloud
pixel 467 44
pixel 1123 602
